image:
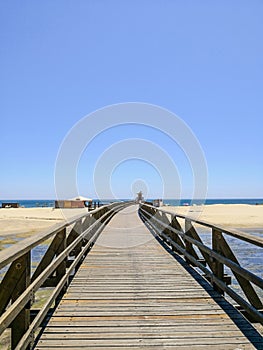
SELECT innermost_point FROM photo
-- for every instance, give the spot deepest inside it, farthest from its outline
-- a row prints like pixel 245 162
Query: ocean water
pixel 252 201
pixel 32 203
pixel 39 203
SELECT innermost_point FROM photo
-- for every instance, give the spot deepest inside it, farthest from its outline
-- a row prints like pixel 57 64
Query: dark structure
pixel 10 205
pixel 70 204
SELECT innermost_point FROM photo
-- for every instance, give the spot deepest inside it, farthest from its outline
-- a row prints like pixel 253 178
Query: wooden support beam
pixel 189 231
pixel 87 222
pixel 9 283
pixel 243 282
pixel 157 215
pixel 170 233
pixel 61 270
pixel 74 233
pixel 48 257
pixel 175 237
pixel 217 267
pixel 21 323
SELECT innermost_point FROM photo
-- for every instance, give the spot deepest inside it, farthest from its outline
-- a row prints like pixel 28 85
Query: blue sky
pixel 61 60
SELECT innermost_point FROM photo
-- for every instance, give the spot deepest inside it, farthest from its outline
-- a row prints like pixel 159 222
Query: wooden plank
pixel 131 296
pixel 169 347
pixel 141 341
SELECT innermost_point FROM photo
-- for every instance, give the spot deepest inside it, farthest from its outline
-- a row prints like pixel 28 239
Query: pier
pixel 131 276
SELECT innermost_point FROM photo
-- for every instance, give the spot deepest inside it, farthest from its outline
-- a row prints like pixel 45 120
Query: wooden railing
pixel 69 243
pixel 211 260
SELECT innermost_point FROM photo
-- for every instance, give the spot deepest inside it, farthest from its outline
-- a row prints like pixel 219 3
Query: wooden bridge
pixel 140 286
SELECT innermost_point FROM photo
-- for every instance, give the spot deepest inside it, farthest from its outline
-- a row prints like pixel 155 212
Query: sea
pixel 35 203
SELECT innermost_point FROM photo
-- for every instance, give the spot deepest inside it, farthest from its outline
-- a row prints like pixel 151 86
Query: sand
pixel 15 221
pixel 229 215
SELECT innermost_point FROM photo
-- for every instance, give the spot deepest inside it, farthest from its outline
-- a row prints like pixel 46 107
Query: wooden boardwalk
pixel 130 292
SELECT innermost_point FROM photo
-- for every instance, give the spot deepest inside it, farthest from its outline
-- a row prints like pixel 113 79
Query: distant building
pixel 10 205
pixel 76 202
pixel 157 202
pixel 139 198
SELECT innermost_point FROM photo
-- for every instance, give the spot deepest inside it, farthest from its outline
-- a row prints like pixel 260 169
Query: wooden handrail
pixel 229 263
pixel 258 241
pixel 20 248
pixel 16 298
pixel 187 243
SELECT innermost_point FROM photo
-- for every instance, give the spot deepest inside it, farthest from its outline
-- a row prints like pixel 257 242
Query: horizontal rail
pixel 212 254
pixel 16 299
pixel 213 278
pixel 258 241
pixel 20 248
pixel 25 340
pixel 187 242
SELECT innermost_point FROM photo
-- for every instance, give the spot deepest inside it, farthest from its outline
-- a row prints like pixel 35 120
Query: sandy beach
pixel 27 221
pixel 16 221
pixel 231 215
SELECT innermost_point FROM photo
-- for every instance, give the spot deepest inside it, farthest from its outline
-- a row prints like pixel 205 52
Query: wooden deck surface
pixel 131 293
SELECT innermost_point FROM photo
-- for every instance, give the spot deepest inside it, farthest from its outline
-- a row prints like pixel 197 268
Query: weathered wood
pixel 191 232
pixel 217 267
pixel 243 282
pixel 258 241
pixel 61 269
pixel 48 256
pixel 74 233
pixel 133 293
pixel 9 254
pixel 175 237
pixel 18 311
pixel 135 284
pixel 9 283
pixel 168 230
pixel 21 323
pixel 29 334
pixel 189 246
pixel 216 260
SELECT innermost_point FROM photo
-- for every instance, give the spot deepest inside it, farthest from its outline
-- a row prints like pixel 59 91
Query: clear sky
pixel 61 60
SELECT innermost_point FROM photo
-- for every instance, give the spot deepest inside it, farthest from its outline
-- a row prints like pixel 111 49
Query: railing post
pixel 176 237
pixel 188 245
pixel 61 269
pixel 217 267
pixel 74 233
pixel 245 284
pixel 159 216
pixel 60 272
pixel 21 323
